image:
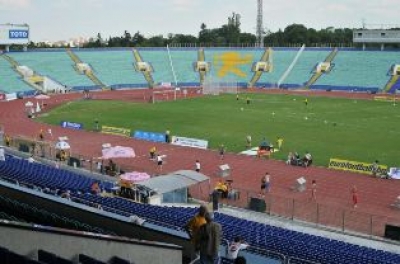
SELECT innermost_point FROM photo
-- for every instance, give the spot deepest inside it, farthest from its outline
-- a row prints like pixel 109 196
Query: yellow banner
pixel 384 98
pixel 116 131
pixel 356 166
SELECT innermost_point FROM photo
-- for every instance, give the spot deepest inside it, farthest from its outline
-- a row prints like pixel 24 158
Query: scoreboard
pixel 14 34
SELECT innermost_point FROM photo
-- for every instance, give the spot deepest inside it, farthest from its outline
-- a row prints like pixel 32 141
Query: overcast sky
pixel 62 19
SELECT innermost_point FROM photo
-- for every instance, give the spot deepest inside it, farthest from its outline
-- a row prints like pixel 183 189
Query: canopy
pixel 134 176
pixel 42 97
pixel 174 181
pixel 118 152
pixel 62 145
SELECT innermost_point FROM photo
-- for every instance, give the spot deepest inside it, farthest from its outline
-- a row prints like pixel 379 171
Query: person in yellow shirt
pixel 222 188
pixel 193 226
pixel 279 142
pixel 153 152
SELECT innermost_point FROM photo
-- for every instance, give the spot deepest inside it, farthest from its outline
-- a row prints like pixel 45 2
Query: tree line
pixel 230 35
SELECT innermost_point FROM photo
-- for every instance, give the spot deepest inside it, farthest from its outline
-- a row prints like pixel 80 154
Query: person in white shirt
pixel 159 163
pixel 2 154
pixel 234 247
pixel 31 159
pixel 197 165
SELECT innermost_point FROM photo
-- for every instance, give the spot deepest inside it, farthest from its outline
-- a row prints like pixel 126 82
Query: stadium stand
pixel 159 60
pixel 43 176
pixel 10 81
pixel 55 64
pixel 354 70
pixel 289 243
pixel 122 75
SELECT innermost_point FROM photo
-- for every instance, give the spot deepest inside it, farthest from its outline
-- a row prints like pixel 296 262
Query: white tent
pixel 173 187
pixel 62 145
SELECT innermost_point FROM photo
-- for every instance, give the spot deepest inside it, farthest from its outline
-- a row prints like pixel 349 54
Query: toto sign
pixel 72 125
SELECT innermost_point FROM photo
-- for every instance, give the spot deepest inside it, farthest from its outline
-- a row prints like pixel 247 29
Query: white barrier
pixel 189 142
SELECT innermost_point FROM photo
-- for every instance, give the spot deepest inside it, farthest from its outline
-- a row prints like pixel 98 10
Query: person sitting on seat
pixel 290 158
pixel 95 188
pixel 234 247
pixel 296 161
pixel 307 159
pixel 63 155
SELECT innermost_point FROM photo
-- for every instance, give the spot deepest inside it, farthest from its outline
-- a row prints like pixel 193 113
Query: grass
pixel 350 129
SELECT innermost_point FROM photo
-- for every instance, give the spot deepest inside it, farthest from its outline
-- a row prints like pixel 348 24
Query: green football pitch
pixel 358 130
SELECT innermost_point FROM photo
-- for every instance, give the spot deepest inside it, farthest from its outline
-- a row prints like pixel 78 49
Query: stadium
pixel 62 184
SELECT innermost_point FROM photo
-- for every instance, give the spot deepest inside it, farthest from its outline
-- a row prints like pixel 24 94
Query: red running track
pixel 333 187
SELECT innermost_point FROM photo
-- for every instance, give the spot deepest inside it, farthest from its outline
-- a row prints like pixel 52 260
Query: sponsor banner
pixel 72 125
pixel 14 34
pixel 116 131
pixel 18 34
pixel 189 142
pixel 11 96
pixel 356 166
pixel 149 136
pixel 384 98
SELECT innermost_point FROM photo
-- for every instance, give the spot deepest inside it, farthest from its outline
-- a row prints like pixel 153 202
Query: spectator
pixel 374 168
pixel 215 199
pixel 197 166
pixel 265 183
pixel 2 154
pixel 314 190
pixel 221 151
pixel 234 247
pixel 31 159
pixel 99 166
pixel 296 159
pixel 41 135
pixel 66 195
pixel 248 141
pixel 222 188
pixel 159 163
pixel 192 228
pixel 152 152
pixel 209 240
pixel 167 136
pixel 290 158
pixel 7 140
pixel 95 188
pixel 279 142
pixel 354 193
pixel 307 160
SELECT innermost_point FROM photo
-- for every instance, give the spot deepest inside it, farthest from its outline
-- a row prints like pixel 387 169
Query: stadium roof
pixel 174 181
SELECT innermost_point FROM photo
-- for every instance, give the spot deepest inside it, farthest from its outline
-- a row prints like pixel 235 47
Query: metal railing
pixel 327 216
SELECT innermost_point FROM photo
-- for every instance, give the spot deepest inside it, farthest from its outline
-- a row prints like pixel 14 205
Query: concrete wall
pixel 27 241
pixel 118 224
